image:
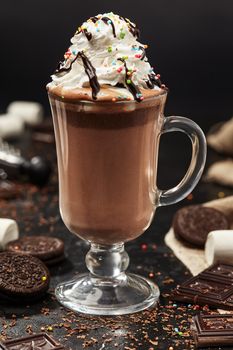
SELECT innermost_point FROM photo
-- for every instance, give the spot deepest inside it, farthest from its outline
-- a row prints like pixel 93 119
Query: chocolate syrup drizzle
pixel 108 20
pixel 87 34
pixel 91 73
pixel 94 19
pixel 143 53
pixel 152 81
pixel 89 70
pixel 132 27
pixel 62 68
pixel 135 91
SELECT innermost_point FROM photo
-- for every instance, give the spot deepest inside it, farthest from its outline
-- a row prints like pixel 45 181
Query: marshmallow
pixel 219 247
pixel 8 232
pixel 10 126
pixel 221 172
pixel 30 112
pixel 221 140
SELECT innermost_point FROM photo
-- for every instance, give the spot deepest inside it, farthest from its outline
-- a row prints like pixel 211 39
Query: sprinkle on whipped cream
pixel 105 51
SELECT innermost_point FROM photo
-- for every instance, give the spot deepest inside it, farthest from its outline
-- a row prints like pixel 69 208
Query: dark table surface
pixel 163 327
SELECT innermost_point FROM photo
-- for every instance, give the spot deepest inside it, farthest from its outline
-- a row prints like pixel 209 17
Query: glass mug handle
pixel 196 167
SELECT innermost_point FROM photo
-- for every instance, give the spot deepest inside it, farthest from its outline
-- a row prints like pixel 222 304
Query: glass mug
pixel 107 161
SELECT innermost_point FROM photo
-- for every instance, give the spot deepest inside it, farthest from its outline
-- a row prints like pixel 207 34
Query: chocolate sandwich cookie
pixel 48 249
pixel 193 223
pixel 22 276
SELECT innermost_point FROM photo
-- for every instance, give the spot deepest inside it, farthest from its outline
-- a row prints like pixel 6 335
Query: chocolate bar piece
pixel 212 330
pixel 214 287
pixel 40 341
pixel 221 271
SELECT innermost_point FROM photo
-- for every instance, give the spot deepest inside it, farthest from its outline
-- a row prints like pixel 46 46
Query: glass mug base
pixel 127 294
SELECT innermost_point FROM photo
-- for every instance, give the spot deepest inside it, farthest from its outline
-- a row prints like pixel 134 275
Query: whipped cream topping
pixel 105 51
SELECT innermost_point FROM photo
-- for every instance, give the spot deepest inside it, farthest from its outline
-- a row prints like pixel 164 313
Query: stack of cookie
pixel 24 275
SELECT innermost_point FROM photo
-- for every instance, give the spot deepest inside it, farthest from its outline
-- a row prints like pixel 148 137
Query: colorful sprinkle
pixel 122 35
pixel 44 278
pixel 49 328
pixel 144 246
pixel 110 49
pixel 190 197
pixel 128 81
pixel 120 69
pixel 138 56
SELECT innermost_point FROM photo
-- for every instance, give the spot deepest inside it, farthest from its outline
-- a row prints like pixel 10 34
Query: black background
pixel 190 45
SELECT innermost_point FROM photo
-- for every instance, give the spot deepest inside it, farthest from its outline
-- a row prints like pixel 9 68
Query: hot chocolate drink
pixel 107 172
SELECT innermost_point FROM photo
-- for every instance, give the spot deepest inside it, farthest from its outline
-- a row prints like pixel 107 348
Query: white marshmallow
pixel 219 247
pixel 30 112
pixel 10 126
pixel 8 232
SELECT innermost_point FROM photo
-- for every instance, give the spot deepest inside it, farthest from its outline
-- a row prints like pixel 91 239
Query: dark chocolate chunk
pixel 193 223
pixel 214 287
pixel 40 341
pixel 43 247
pixel 212 330
pixel 22 276
pixel 220 271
